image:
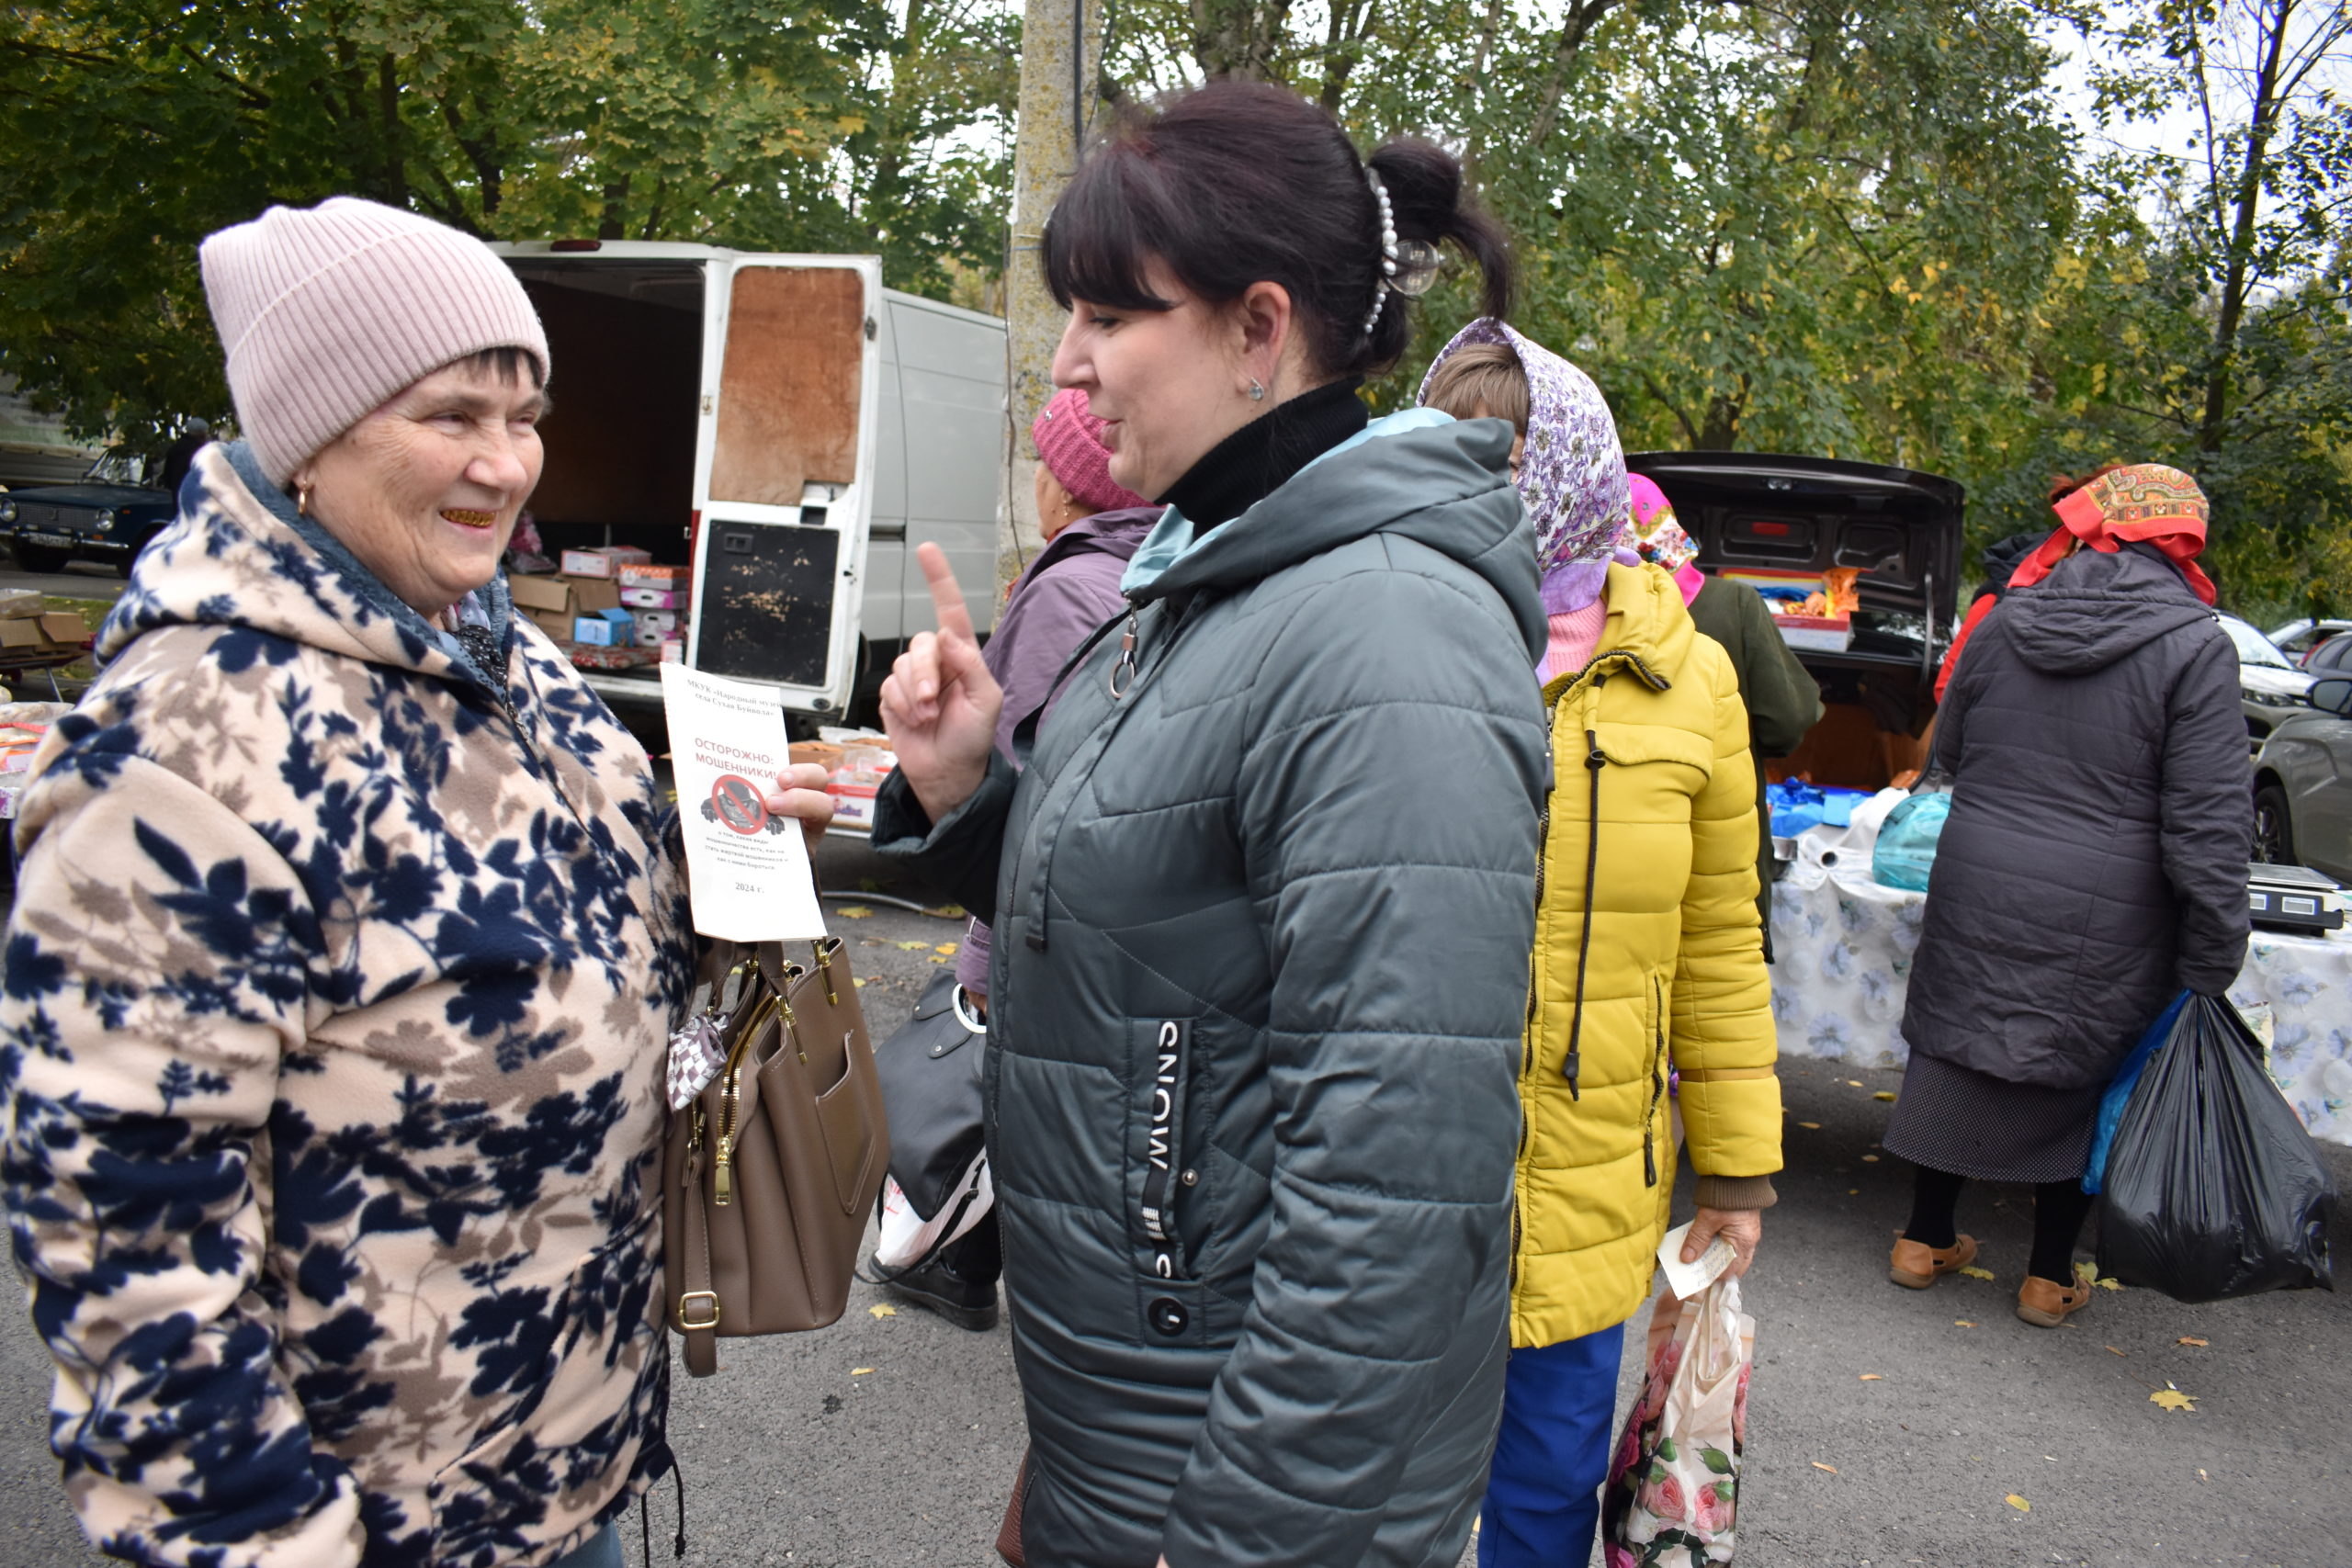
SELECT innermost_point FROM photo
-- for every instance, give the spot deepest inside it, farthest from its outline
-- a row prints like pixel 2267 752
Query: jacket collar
pixel 240 556
pixel 1647 633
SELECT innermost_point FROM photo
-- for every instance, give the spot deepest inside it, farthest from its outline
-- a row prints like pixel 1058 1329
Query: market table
pixel 1842 946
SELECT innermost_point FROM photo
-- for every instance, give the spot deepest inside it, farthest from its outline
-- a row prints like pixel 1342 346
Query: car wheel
pixel 43 559
pixel 123 567
pixel 2274 832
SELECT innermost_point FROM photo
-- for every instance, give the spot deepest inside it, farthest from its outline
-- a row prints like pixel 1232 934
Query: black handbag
pixel 931 1087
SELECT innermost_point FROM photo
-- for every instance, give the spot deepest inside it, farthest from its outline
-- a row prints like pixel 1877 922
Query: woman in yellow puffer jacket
pixel 1648 955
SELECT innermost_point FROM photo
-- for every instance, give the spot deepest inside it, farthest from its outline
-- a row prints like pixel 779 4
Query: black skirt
pixel 1955 1119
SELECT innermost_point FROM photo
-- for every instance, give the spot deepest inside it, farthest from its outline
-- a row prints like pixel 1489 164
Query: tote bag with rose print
pixel 1673 1488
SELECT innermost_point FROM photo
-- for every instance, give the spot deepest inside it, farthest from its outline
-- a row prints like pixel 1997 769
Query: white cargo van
pixel 785 427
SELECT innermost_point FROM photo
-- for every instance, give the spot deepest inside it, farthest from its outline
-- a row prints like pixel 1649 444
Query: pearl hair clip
pixel 1407 267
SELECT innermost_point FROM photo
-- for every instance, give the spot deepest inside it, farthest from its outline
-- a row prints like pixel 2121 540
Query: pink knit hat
pixel 327 311
pixel 1070 440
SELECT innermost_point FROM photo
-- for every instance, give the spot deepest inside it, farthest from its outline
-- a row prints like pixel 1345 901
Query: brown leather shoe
pixel 1914 1266
pixel 2045 1303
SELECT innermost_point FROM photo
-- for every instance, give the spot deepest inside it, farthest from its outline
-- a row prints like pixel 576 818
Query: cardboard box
pixel 641 575
pixel 606 628
pixel 822 752
pixel 19 602
pixel 66 627
pixel 657 598
pixel 20 634
pixel 651 636
pixel 667 622
pixel 556 625
pixel 604 562
pixel 564 596
pixel 673 650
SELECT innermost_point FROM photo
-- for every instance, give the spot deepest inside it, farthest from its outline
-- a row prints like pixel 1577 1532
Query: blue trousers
pixel 602 1550
pixel 1543 1490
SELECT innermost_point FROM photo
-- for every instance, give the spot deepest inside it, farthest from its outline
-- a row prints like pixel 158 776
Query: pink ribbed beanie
pixel 327 311
pixel 1070 440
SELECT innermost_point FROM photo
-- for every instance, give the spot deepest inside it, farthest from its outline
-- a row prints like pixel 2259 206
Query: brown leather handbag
pixel 771 1171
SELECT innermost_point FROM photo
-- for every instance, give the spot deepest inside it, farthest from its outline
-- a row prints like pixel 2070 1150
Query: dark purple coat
pixel 1069 590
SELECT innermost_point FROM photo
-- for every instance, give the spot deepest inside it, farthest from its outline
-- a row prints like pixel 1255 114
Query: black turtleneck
pixel 1262 456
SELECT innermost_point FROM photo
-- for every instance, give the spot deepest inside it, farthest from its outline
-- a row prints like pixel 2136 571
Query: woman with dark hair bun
pixel 1264 893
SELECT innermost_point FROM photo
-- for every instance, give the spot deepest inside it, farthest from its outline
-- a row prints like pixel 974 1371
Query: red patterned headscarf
pixel 2145 503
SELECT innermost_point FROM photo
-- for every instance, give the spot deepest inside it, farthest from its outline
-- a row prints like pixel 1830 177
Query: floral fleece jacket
pixel 336 1001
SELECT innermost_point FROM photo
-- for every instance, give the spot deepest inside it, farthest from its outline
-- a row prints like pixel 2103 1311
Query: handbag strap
pixel 696 1317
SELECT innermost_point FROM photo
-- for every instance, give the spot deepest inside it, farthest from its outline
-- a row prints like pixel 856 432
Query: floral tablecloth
pixel 1842 948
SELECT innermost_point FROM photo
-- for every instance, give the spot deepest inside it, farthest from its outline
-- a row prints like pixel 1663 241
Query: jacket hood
pixel 1421 476
pixel 2094 607
pixel 239 556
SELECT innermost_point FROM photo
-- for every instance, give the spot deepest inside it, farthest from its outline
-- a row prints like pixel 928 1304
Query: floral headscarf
pixel 1655 534
pixel 2146 501
pixel 1573 474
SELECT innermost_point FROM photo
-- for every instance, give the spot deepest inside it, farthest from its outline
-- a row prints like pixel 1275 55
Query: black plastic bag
pixel 2213 1188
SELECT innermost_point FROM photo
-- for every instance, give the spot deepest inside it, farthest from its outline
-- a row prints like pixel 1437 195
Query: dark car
pixel 1899 528
pixel 108 516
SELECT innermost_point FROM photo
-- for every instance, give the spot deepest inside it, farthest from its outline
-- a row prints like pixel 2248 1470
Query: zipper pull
pixel 1649 1155
pixel 1572 1064
pixel 722 1175
pixel 1123 673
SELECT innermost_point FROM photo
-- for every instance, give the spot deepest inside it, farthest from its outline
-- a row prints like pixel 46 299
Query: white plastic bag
pixel 907 1238
pixel 1673 1489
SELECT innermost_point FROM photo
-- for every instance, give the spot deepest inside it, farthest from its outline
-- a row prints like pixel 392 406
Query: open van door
pixel 784 472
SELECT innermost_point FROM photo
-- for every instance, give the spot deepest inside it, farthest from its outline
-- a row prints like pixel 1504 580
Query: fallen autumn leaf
pixel 946 911
pixel 883 1311
pixel 947 947
pixel 1885 1094
pixel 2173 1399
pixel 2190 1339
pixel 1976 1273
pixel 2019 1504
pixel 1830 1468
pixel 859 1372
pixel 1873 1377
pixel 852 911
pixel 1810 1126
pixel 1855 1082
pixel 1961 1322
pixel 911 946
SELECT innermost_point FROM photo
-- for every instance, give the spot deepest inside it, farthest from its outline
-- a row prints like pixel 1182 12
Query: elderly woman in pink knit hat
pixel 344 956
pixel 1092 526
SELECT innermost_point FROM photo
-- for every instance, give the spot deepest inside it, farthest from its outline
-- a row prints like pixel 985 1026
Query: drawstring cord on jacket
pixel 1594 760
pixel 645 1515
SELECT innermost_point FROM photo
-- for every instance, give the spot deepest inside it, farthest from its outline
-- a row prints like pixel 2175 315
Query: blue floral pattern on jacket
pixel 331 1028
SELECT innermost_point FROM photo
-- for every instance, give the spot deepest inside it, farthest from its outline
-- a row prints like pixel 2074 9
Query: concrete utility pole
pixel 1061 48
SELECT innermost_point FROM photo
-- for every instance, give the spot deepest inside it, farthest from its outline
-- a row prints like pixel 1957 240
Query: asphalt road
pixel 893 1441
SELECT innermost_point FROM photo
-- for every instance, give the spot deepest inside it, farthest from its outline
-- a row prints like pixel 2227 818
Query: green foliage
pixel 131 128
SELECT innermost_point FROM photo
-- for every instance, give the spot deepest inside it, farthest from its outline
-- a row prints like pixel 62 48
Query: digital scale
pixel 2293 898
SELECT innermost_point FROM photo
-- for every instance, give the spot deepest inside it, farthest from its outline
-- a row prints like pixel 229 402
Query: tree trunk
pixel 1240 38
pixel 614 225
pixel 2246 203
pixel 1061 46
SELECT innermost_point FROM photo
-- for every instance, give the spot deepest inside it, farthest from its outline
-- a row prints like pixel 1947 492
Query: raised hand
pixel 941 703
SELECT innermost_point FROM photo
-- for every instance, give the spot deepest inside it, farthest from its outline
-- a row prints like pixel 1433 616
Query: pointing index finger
pixel 947 598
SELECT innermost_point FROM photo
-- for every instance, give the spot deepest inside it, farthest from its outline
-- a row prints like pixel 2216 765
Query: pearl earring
pixel 1257 392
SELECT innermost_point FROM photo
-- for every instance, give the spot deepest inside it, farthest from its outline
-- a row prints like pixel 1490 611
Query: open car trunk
pixel 1762 514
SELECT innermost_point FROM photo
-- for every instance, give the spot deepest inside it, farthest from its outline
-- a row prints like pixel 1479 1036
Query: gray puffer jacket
pixel 1262 926
pixel 2095 861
